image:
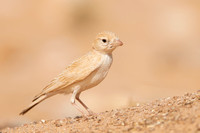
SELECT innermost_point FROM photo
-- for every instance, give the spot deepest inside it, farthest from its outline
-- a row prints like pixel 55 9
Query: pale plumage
pixel 82 74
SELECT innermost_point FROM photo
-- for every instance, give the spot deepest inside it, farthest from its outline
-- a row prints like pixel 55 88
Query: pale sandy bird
pixel 84 73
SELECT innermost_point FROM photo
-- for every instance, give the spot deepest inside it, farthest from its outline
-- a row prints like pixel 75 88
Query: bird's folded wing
pixel 77 71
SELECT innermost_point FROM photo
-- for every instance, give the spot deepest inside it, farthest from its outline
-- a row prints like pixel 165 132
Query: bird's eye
pixel 104 40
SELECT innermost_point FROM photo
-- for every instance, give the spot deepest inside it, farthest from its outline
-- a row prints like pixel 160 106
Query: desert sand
pixel 171 114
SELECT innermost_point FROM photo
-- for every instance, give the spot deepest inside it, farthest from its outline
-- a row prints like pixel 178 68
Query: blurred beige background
pixel 39 38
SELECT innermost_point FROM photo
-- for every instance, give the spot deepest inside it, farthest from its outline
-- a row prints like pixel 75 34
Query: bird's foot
pixel 91 113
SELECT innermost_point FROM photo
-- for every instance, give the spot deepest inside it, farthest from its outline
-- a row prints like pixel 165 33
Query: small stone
pixel 77 117
pixel 58 123
pixel 137 104
pixel 43 121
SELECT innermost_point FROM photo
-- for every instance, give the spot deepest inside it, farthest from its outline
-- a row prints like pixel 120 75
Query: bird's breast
pixel 100 73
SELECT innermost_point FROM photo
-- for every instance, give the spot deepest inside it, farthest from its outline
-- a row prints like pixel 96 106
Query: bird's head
pixel 106 42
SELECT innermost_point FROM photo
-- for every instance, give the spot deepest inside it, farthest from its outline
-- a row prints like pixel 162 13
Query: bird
pixel 84 73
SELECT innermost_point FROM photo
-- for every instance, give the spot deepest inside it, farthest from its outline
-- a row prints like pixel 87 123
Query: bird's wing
pixel 77 71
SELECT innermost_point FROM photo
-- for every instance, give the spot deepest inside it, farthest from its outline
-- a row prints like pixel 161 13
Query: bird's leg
pixel 73 102
pixel 88 110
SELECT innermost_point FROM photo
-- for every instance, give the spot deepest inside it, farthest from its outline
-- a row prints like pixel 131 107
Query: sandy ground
pixel 172 114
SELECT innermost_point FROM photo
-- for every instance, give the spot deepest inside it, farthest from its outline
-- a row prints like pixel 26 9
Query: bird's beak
pixel 117 43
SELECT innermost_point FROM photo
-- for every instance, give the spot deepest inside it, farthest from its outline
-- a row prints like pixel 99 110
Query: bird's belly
pixel 97 76
pixel 94 79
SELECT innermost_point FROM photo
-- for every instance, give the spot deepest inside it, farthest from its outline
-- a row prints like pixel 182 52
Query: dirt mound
pixel 176 114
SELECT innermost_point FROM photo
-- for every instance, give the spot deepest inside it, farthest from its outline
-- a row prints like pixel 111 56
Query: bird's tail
pixel 34 103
